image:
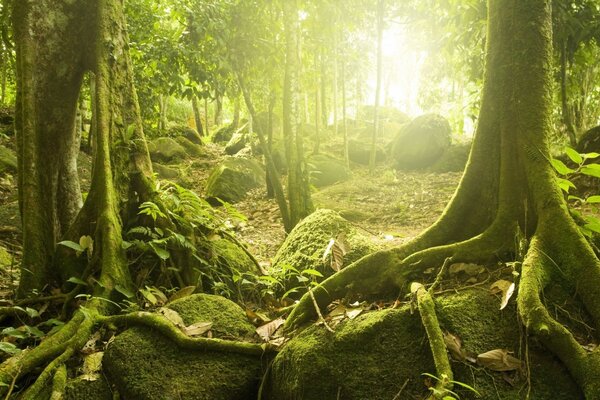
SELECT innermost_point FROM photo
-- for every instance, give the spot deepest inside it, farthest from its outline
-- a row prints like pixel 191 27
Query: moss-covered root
pixel 168 329
pixel 436 340
pixel 59 383
pixel 584 366
pixel 387 270
pixel 52 350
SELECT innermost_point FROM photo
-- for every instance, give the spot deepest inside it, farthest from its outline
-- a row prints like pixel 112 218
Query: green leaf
pixel 72 245
pixel 312 272
pixel 13 332
pixel 87 243
pixel 573 155
pixel 77 281
pixel 593 199
pixel 9 348
pixel 33 313
pixel 560 167
pixel 160 252
pixel 590 156
pixel 591 170
pixel 124 291
pixel 149 296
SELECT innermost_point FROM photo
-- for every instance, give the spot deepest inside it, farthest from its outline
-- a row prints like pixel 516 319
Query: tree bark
pixel 197 116
pixel 373 153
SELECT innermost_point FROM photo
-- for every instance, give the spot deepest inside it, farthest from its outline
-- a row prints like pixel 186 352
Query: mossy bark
pixel 508 204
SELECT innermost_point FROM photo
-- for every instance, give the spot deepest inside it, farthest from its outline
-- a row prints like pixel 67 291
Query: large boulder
pixel 164 171
pixel 360 152
pixel 8 161
pixel 325 170
pixel 589 142
pixel 233 178
pixel 421 142
pixel 143 364
pixel 305 246
pixel 454 159
pixel 236 143
pixel 382 353
pixel 191 148
pixel 185 131
pixel 223 134
pixel 165 149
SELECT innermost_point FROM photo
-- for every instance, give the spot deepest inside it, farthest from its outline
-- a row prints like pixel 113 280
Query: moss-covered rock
pixel 145 365
pixel 185 131
pixel 233 178
pixel 8 161
pixel 223 134
pixel 421 142
pixel 231 260
pixel 360 152
pixel 305 245
pixel 191 148
pixel 82 389
pixel 165 149
pixel 164 171
pixel 325 170
pixel 236 143
pixel 372 356
pixel 454 159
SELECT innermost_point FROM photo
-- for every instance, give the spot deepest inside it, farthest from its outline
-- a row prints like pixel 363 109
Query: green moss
pixel 166 149
pixel 191 148
pixel 231 180
pixel 372 356
pixel 229 320
pixel 81 389
pixel 8 161
pixel 305 245
pixel 145 365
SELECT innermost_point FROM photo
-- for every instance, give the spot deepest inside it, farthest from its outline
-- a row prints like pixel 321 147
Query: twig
pixel 440 275
pixel 318 310
pixel 12 385
pixel 397 396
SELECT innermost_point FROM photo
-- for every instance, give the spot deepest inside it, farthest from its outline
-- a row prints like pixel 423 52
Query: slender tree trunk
pixel 218 110
pixel 206 115
pixel 236 112
pixel 566 112
pixel 323 79
pixel 163 108
pixel 272 100
pixel 380 15
pixel 344 116
pixel 197 116
pixel 334 88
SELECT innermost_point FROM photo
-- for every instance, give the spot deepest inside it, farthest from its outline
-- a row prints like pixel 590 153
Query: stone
pixel 360 152
pixel 165 172
pixel 454 159
pixel 237 142
pixel 143 364
pixel 191 148
pixel 233 178
pixel 165 149
pixel 325 170
pixel 421 142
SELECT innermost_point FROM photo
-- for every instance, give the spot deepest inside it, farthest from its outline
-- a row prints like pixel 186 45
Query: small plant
pixel 446 394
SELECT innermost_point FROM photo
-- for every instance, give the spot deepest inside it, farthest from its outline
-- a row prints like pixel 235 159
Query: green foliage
pixel 566 175
pixel 448 394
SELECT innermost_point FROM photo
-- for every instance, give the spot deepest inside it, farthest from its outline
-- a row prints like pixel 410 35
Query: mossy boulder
pixel 454 159
pixel 6 259
pixel 233 178
pixel 305 245
pixel 237 142
pixel 164 171
pixel 8 161
pixel 421 142
pixel 589 142
pixel 223 134
pixel 84 389
pixel 360 152
pixel 231 260
pixel 325 170
pixel 191 148
pixel 376 354
pixel 143 364
pixel 165 149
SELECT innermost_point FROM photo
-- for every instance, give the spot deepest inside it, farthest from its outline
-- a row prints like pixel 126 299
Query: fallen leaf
pixel 90 346
pixel 198 329
pixel 498 360
pixel 454 346
pixel 267 330
pixel 172 316
pixel 506 288
pixel 353 313
pixel 468 269
pixel 92 364
pixel 181 293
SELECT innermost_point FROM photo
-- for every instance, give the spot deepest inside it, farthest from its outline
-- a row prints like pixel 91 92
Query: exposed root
pixel 389 270
pixel 59 383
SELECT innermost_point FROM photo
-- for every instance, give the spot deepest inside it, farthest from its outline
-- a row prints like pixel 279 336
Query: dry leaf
pixel 468 269
pixel 353 313
pixel 198 329
pixel 90 346
pixel 506 288
pixel 267 330
pixel 498 360
pixel 328 249
pixel 92 364
pixel 172 316
pixel 183 292
pixel 454 346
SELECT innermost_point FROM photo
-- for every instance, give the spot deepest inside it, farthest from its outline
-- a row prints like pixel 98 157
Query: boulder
pixel 8 161
pixel 224 134
pixel 589 142
pixel 305 245
pixel 325 170
pixel 421 142
pixel 191 148
pixel 89 389
pixel 231 260
pixel 233 178
pixel 380 353
pixel 165 172
pixel 143 364
pixel 185 131
pixel 360 152
pixel 165 149
pixel 454 159
pixel 236 143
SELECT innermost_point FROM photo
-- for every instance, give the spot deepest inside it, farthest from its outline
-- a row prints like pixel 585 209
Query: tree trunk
pixel 163 102
pixel 565 111
pixel 380 15
pixel 508 205
pixel 206 115
pixel 219 109
pixel 236 112
pixel 344 116
pixel 197 116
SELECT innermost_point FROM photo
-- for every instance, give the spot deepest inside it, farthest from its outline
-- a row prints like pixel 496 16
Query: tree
pixel 508 203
